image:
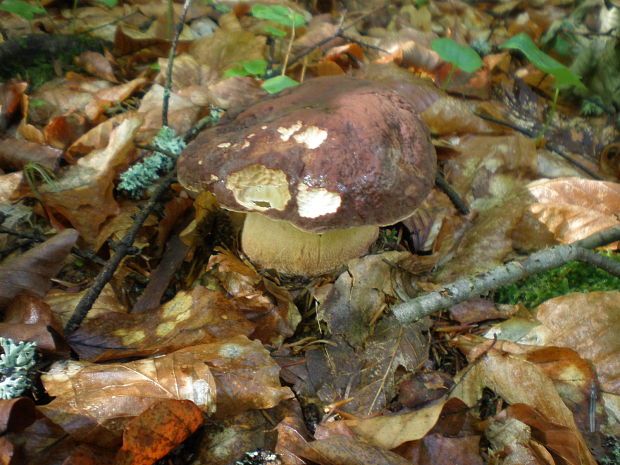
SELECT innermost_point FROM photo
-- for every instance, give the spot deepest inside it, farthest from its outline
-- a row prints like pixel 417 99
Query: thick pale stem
pixel 283 247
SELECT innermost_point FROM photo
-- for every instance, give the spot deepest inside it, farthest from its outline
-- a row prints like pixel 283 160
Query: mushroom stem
pixel 279 245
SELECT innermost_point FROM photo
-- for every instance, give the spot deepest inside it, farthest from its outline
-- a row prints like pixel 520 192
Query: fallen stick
pixel 543 260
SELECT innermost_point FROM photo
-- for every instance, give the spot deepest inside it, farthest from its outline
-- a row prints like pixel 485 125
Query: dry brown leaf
pixel 342 450
pixel 516 380
pixel 182 113
pixel 255 296
pixel 519 381
pixel 245 374
pixel 39 333
pixel 11 95
pixel 592 331
pixel 63 303
pixel 16 414
pixel 93 402
pixel 95 139
pixel 97 65
pixel 156 431
pixel 13 186
pixel 62 131
pixel 63 96
pixel 488 168
pixel 565 443
pixel 30 273
pixel 223 49
pixel 83 194
pixel 45 443
pixel 449 116
pixel 572 208
pixel 15 153
pixel 391 431
pixel 191 317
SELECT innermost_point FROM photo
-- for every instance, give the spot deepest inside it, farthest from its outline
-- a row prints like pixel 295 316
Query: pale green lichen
pixel 16 364
pixel 141 175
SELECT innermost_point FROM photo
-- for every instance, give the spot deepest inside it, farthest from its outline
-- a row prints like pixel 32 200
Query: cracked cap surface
pixel 332 153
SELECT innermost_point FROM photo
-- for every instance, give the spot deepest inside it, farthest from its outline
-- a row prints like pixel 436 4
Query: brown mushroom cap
pixel 332 153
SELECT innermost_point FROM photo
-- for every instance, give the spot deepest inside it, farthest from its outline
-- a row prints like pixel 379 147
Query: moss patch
pixel 572 277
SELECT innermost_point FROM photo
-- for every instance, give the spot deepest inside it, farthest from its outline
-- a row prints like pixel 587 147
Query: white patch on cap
pixel 246 143
pixel 259 188
pixel 224 145
pixel 313 202
pixel 311 137
pixel 286 133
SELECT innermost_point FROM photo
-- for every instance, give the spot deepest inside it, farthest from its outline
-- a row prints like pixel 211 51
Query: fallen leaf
pixel 572 208
pixel 16 414
pixel 30 273
pixel 245 375
pixel 391 431
pixel 156 431
pixel 93 402
pixel 341 450
pixel 191 317
pixel 83 194
pixel 16 153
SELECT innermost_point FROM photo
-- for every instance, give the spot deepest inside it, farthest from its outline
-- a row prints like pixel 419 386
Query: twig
pixel 509 273
pixel 339 33
pixel 454 197
pixel 548 145
pixel 36 238
pixel 123 247
pixel 173 51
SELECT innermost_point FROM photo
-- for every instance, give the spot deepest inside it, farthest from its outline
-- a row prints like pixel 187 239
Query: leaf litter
pixel 530 389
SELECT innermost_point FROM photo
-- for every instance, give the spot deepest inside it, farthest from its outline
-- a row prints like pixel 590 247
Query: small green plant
pixel 248 68
pixel 282 16
pixel 37 174
pixel 459 56
pixel 279 14
pixel 564 77
pixel 16 364
pixel 23 9
pixel 278 83
pixel 572 277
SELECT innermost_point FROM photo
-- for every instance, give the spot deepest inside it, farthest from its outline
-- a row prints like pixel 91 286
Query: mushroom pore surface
pixel 334 153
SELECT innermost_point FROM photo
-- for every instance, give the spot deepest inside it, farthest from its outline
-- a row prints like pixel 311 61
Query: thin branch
pixel 37 238
pixel 509 273
pixel 123 247
pixel 173 51
pixel 548 145
pixel 454 197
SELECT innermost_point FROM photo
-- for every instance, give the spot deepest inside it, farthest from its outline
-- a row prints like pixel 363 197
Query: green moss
pixel 572 277
pixel 32 57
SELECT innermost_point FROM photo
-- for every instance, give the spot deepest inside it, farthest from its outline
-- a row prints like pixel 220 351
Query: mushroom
pixel 318 168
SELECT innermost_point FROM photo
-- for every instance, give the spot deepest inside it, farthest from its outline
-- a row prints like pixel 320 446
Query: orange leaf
pixel 158 430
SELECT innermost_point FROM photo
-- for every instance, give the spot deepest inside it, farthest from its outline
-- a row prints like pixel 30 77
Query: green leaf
pixel 274 31
pixel 247 68
pixel 278 14
pixel 278 83
pixel 462 56
pixel 255 67
pixel 563 75
pixel 236 71
pixel 23 9
pixel 109 3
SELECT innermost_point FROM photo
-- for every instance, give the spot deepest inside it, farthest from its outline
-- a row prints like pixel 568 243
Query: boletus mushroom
pixel 318 168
